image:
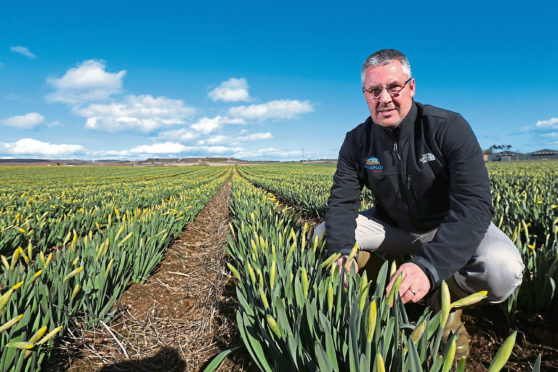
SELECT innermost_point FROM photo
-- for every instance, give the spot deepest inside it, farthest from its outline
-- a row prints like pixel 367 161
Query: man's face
pixel 386 110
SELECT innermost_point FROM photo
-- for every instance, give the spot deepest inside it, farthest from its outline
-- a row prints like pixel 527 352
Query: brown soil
pixel 487 328
pixel 179 319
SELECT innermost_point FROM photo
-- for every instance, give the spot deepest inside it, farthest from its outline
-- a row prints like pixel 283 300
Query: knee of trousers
pixel 319 231
pixel 499 272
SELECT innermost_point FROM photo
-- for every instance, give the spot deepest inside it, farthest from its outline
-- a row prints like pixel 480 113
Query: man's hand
pixel 341 262
pixel 414 285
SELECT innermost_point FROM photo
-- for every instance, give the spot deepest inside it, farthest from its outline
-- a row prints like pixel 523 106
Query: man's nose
pixel 384 96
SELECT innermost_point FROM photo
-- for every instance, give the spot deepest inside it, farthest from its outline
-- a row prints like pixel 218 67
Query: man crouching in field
pixel 432 196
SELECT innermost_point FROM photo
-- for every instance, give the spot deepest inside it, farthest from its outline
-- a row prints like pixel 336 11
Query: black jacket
pixel 428 173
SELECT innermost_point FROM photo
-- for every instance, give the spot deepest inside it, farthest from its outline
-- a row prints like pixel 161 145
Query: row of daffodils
pixel 296 313
pixel 45 288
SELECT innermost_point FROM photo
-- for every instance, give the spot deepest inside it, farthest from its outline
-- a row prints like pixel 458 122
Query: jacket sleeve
pixel 470 205
pixel 343 203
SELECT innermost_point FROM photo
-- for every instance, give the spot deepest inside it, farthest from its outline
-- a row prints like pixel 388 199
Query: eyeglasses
pixel 393 90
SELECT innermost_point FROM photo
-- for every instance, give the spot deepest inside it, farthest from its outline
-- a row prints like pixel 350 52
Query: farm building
pixel 512 155
pixel 507 156
pixel 544 154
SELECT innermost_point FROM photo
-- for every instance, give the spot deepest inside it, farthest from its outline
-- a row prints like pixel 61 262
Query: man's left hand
pixel 414 285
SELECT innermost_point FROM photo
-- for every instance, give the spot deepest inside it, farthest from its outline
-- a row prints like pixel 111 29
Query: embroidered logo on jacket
pixel 425 158
pixel 373 164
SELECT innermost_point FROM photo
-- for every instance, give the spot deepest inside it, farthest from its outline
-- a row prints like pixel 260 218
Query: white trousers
pixel 496 265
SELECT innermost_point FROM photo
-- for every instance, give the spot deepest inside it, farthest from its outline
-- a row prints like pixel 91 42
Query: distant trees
pixel 496 148
pixel 492 148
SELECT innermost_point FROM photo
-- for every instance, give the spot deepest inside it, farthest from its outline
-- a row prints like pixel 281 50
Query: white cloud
pixel 29 146
pixel 256 137
pixel 87 82
pixel 217 149
pixel 112 153
pixel 270 153
pixel 235 140
pixel 207 125
pixel 27 121
pixel 179 134
pixel 55 123
pixel 154 149
pixel 23 51
pixel 170 148
pixel 214 140
pixel 160 148
pixel 279 109
pixel 204 125
pixel 145 113
pixel 232 90
pixel 547 123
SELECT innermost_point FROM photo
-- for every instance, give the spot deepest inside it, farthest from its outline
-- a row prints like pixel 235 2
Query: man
pixel 432 197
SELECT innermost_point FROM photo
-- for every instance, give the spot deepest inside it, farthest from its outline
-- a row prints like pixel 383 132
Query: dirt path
pixel 181 317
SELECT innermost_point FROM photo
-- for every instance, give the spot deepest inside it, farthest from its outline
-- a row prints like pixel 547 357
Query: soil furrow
pixel 180 318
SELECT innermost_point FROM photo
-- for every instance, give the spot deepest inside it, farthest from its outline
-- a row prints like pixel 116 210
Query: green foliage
pixel 525 198
pixel 304 186
pixel 42 205
pixel 88 273
pixel 296 313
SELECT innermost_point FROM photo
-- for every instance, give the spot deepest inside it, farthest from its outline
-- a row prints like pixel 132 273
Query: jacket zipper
pixel 404 187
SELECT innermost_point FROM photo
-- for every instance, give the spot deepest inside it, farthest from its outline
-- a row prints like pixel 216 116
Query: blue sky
pixel 261 80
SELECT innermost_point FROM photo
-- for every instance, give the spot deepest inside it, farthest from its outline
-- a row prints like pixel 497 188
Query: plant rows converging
pixel 44 287
pixel 42 205
pixel 297 313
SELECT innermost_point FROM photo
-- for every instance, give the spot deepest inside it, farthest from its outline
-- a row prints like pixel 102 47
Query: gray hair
pixel 383 57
